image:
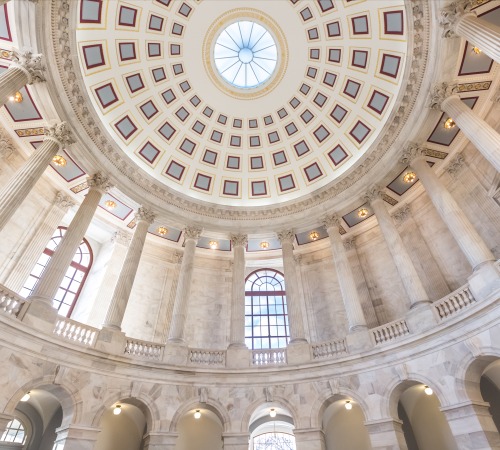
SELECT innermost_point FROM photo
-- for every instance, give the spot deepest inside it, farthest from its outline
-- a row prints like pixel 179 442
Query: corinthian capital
pixel 99 181
pixel 192 232
pixel 402 214
pixel 60 133
pixel 440 92
pixel 239 240
pixel 451 14
pixel 63 201
pixel 331 220
pixel 374 193
pixel 411 153
pixel 122 237
pixel 30 63
pixel 145 214
pixel 286 236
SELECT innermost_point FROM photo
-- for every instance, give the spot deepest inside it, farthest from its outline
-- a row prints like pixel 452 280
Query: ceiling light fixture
pixel 26 397
pixel 117 410
pixel 264 245
pixel 449 124
pixel 348 405
pixel 197 414
pixel 110 204
pixel 213 245
pixel 59 160
pixel 428 390
pixel 162 231
pixel 314 235
pixel 272 413
pixel 363 212
pixel 16 98
pixel 476 50
pixel 410 177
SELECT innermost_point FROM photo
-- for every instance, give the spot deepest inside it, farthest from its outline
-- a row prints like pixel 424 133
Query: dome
pixel 249 225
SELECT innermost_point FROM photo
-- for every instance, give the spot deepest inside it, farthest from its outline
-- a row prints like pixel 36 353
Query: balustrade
pixel 329 349
pixel 269 357
pixel 390 331
pixel 144 349
pixel 10 302
pixel 207 357
pixel 455 302
pixel 75 331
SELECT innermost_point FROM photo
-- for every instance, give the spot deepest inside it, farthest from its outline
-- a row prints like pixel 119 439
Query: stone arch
pixel 212 404
pixel 468 379
pixel 247 415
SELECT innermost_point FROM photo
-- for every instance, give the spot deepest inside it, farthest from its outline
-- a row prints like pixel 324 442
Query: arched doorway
pixel 271 427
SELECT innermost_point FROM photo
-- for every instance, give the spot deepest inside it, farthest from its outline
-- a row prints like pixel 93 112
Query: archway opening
pixel 271 428
pixel 200 429
pixel 489 386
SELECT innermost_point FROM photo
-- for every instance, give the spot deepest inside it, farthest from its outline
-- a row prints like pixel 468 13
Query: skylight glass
pixel 245 54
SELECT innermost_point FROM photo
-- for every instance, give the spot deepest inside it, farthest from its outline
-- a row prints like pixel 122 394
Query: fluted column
pixel 350 297
pixel 25 68
pixel 176 334
pixel 28 257
pixel 121 295
pixel 404 264
pixel 20 185
pixel 479 132
pixel 468 239
pixel 53 275
pixel 295 320
pixel 237 331
pixel 457 19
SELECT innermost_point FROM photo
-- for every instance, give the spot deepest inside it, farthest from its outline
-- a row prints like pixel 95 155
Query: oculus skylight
pixel 245 54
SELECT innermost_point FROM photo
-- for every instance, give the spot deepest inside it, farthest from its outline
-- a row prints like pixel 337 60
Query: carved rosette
pixel 402 214
pixel 99 181
pixel 145 214
pixel 411 153
pixel 29 63
pixel 192 232
pixel 122 237
pixel 63 201
pixel 440 92
pixel 286 236
pixel 177 257
pixel 60 133
pixel 451 15
pixel 456 165
pixel 239 240
pixel 374 193
pixel 350 244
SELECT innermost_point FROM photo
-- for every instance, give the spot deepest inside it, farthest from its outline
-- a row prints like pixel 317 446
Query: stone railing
pixel 268 357
pixel 329 349
pixel 454 302
pixel 75 331
pixel 203 357
pixel 10 302
pixel 144 349
pixel 390 331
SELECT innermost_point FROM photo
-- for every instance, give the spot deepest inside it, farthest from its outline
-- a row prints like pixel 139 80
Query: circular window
pixel 245 54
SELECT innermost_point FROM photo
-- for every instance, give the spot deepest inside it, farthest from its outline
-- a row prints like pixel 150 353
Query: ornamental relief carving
pixel 63 40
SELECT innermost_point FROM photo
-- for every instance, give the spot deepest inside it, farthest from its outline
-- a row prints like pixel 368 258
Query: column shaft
pixel 480 33
pixel 237 330
pixel 295 320
pixel 123 288
pixel 11 81
pixel 350 297
pixel 53 275
pixel 481 134
pixel 179 315
pixel 404 264
pixel 460 227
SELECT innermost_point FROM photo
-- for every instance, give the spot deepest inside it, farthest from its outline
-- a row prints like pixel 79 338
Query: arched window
pixel 14 432
pixel 266 317
pixel 74 279
pixel 274 441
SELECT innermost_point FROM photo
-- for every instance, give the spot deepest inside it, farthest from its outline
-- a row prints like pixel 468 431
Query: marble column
pixel 20 185
pixel 458 19
pixel 404 264
pixel 472 426
pixel 25 68
pixel 28 257
pixel 295 318
pixel 386 434
pixel 53 275
pixel 484 137
pixel 176 334
pixel 235 441
pixel 237 331
pixel 144 218
pixel 309 439
pixel 76 437
pixel 350 297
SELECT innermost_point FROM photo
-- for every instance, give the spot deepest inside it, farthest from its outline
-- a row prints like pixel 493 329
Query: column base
pixel 176 354
pixel 238 357
pixel 40 315
pixel 298 352
pixel 359 341
pixel 112 341
pixel 421 318
pixel 485 281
